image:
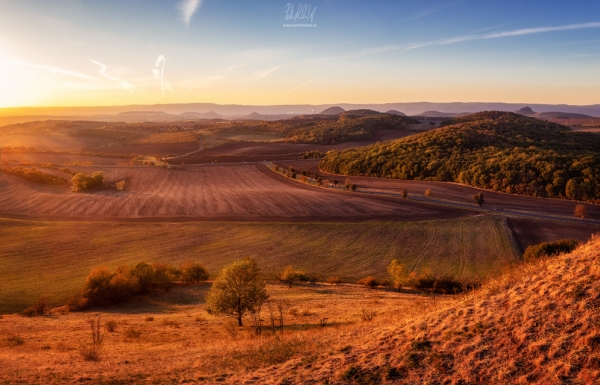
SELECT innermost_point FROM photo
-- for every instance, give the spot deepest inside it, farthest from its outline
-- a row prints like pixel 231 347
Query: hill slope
pixel 501 151
pixel 538 325
pixel 350 126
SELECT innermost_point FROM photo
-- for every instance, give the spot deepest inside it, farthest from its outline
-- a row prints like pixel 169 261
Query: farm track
pixel 460 196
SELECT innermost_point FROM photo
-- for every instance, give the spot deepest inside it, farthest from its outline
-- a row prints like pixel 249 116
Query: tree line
pixel 497 151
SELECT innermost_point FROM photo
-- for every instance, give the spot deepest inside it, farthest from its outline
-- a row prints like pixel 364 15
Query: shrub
pixel 15 340
pixel 444 284
pixel 193 272
pixel 404 193
pixel 399 274
pixel 41 306
pixel 353 187
pixel 110 326
pixel 34 175
pixel 289 276
pixel 334 280
pixel 549 249
pixel 133 333
pixel 478 198
pixel 580 211
pixel 91 351
pixel 83 181
pixel 428 193
pixel 369 282
pixel 105 287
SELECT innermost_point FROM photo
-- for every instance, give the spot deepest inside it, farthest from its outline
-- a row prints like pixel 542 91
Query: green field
pixel 52 258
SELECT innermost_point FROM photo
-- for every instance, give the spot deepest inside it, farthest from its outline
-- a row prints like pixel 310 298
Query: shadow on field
pixel 160 303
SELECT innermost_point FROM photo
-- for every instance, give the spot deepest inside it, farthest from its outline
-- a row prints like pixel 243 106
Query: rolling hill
pixel 537 325
pixel 500 151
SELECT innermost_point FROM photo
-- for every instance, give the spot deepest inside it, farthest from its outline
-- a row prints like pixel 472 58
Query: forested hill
pixel 348 127
pixel 500 151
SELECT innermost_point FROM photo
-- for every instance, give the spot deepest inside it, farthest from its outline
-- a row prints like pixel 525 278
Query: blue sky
pixel 111 52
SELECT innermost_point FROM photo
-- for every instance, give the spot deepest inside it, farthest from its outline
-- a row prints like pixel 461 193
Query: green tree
pixel 479 198
pixel 237 290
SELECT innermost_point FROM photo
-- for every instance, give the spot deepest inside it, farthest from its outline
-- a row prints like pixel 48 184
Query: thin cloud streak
pixel 124 84
pixel 46 68
pixel 160 73
pixel 521 32
pixel 188 8
pixel 301 85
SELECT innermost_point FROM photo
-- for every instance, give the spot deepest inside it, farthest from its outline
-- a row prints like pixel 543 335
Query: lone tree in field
pixel 478 198
pixel 237 290
pixel 399 274
pixel 404 194
pixel 580 211
pixel 428 193
pixel 289 275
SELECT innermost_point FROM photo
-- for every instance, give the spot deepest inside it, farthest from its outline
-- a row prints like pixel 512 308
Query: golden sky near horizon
pixel 84 53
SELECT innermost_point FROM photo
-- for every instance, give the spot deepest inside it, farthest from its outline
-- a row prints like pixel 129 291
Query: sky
pixel 266 52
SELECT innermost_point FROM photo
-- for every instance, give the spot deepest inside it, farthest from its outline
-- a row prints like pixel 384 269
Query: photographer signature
pixel 304 11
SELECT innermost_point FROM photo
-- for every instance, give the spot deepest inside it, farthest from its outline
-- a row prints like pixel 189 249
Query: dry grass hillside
pixel 538 325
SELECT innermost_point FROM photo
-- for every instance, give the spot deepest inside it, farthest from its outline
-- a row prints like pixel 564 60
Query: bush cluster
pixel 499 151
pixel 82 181
pixel 34 175
pixel 104 286
pixel 549 249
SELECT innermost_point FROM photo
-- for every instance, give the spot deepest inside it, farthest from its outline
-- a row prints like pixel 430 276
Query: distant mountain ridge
pixel 528 111
pixel 411 108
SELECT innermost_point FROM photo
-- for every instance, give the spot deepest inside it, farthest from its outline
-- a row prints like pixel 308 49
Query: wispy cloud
pixel 53 70
pixel 123 83
pixel 188 8
pixel 158 72
pixel 497 35
pixel 264 73
pixel 301 85
pixel 430 10
pixel 520 32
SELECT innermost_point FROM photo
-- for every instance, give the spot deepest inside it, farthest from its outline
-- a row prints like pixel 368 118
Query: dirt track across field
pixel 453 192
pixel 224 192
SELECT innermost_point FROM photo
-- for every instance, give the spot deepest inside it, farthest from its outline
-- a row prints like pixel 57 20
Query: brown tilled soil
pixel 240 192
pixel 527 232
pixel 153 149
pixel 453 192
pixel 60 159
pixel 249 151
pixel 53 142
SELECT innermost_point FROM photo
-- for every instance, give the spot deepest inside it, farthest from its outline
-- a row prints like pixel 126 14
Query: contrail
pixel 517 32
pixel 301 85
pixel 496 35
pixel 125 84
pixel 46 68
pixel 160 63
pixel 188 8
